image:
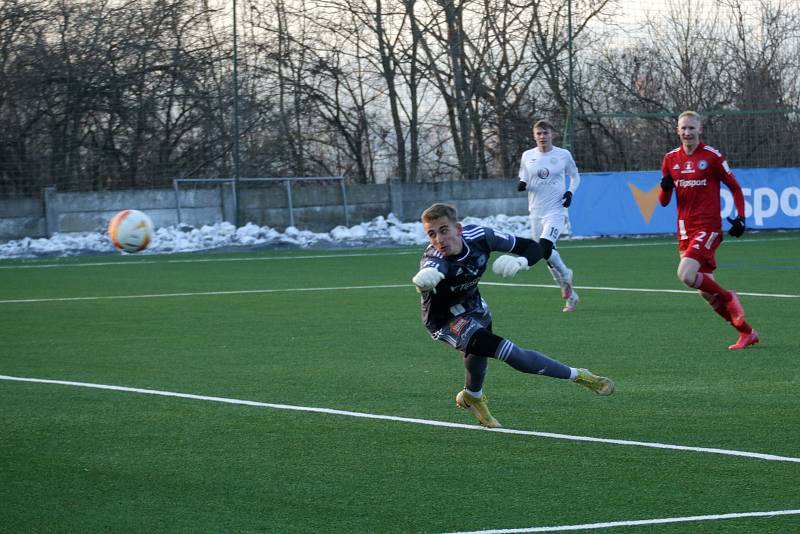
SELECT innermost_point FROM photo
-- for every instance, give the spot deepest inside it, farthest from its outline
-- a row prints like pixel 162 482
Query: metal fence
pixel 235 185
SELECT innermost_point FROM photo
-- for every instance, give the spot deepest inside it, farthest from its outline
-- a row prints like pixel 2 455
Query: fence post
pixel 344 203
pixel 289 200
pixel 396 198
pixel 50 210
pixel 177 199
pixel 230 203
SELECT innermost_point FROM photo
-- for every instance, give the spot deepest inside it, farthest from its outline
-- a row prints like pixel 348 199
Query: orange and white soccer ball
pixel 131 230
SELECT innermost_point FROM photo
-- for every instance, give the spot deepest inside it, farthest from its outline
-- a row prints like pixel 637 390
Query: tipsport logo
pixel 761 203
pixel 764 203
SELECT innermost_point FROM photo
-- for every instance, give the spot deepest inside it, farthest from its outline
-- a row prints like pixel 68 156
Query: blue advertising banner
pixel 625 203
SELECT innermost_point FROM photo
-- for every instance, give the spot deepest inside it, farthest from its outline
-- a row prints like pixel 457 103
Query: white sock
pixel 555 274
pixel 573 373
pixel 557 263
pixel 477 394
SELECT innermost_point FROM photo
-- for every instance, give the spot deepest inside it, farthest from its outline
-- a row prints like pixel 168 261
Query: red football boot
pixel 745 340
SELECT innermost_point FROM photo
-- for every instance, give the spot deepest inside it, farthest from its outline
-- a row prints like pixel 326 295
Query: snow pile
pixel 379 232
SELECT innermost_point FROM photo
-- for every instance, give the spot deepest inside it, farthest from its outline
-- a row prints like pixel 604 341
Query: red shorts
pixel 701 245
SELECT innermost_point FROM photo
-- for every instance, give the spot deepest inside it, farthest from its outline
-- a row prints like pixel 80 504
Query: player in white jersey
pixel 542 173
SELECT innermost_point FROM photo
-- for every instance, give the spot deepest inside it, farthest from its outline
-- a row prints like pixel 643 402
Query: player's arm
pixel 522 185
pixel 527 251
pixel 667 185
pixel 574 181
pixel 737 224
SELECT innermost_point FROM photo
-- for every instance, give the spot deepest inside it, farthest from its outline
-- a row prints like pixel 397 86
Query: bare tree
pixel 21 108
pixel 765 47
pixel 114 94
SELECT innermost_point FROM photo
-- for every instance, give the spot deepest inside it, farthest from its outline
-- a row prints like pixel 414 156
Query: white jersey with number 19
pixel 545 175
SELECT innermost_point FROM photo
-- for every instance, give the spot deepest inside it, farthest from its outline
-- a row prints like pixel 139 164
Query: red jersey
pixel 697 187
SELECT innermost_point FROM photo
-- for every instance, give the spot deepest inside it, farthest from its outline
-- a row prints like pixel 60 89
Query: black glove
pixel 737 226
pixel 522 186
pixel 667 184
pixel 567 199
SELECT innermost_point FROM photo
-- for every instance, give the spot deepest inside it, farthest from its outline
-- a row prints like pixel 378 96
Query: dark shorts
pixel 461 328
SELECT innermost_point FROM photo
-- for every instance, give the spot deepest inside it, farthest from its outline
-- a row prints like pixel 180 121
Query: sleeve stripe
pixel 473 232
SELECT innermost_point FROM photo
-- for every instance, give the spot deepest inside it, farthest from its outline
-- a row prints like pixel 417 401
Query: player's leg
pixel 551 228
pixel 457 334
pixel 696 270
pixel 689 273
pixel 475 373
pixel 698 263
pixel 472 397
pixel 547 244
pixel 747 335
pixel 485 343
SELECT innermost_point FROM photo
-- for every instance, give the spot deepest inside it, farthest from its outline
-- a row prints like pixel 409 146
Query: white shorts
pixel 549 227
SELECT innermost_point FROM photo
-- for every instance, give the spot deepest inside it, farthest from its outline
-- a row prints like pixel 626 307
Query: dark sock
pixel 475 371
pixel 530 361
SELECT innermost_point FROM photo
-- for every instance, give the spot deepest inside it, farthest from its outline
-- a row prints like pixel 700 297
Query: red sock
pixel 718 306
pixel 707 284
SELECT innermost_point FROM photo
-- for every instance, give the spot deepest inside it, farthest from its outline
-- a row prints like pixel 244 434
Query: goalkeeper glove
pixel 522 186
pixel 507 265
pixel 427 279
pixel 667 184
pixel 567 199
pixel 737 226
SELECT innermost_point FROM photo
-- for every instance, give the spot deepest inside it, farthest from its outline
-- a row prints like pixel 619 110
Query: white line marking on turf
pixel 206 293
pixel 611 524
pixel 652 445
pixel 203 260
pixel 640 290
pixel 343 288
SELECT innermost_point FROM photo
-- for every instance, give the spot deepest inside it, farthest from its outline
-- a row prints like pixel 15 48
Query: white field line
pixel 207 293
pixel 612 524
pixel 330 411
pixel 125 262
pixel 641 290
pixel 345 288
pixel 564 244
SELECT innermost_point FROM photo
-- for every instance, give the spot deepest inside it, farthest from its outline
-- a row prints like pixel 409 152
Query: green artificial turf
pixel 340 330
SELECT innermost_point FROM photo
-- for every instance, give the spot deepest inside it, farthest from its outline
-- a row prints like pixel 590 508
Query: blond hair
pixel 691 114
pixel 544 124
pixel 439 210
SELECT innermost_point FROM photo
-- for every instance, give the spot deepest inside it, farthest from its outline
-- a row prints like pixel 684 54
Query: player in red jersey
pixel 694 171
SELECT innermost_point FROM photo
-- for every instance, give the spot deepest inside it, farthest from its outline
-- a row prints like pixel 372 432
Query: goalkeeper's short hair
pixel 439 210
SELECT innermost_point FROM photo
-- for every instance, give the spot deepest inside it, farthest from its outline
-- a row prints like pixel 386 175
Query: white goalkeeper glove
pixel 507 265
pixel 427 279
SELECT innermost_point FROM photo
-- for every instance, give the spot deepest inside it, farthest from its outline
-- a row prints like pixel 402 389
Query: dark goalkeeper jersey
pixel 458 293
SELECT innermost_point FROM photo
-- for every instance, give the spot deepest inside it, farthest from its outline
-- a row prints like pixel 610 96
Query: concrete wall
pixel 314 206
pixel 480 198
pixel 20 218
